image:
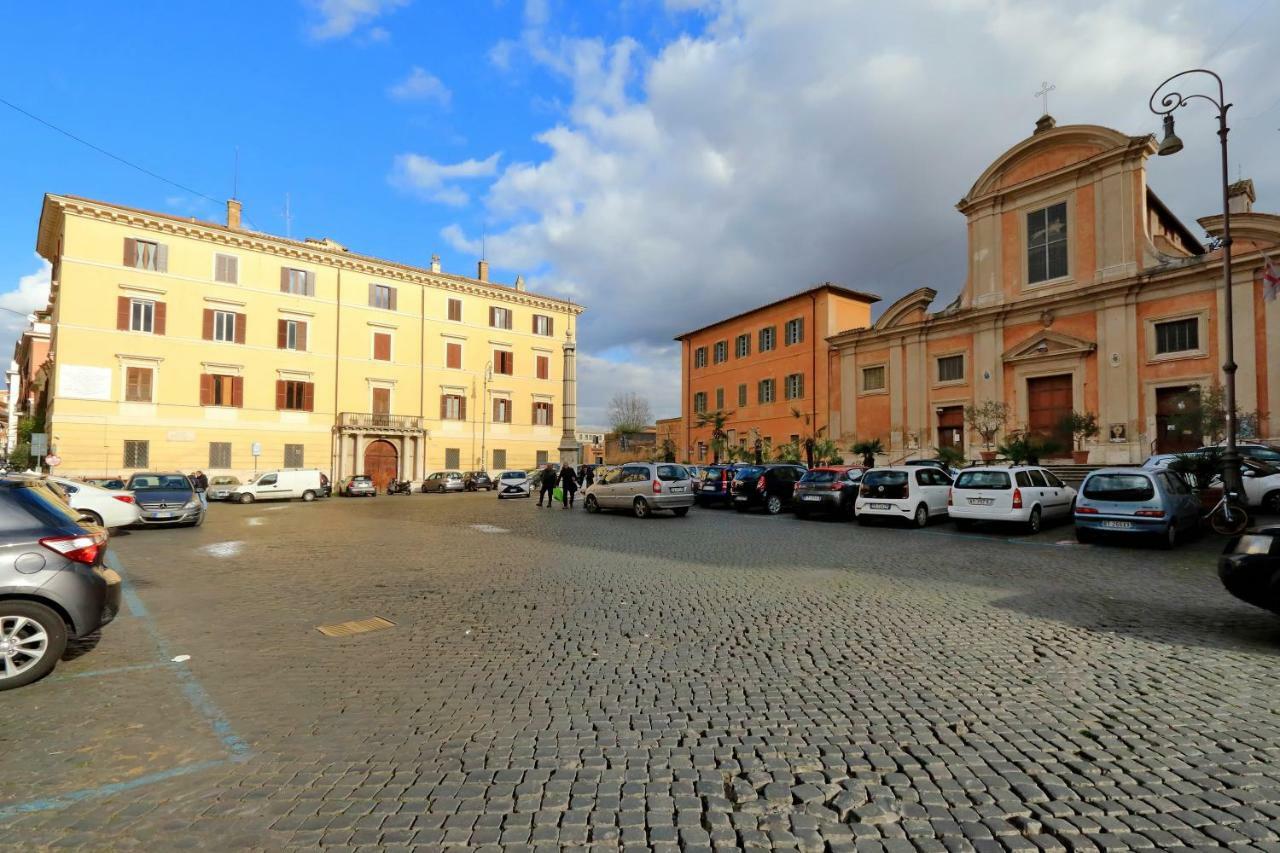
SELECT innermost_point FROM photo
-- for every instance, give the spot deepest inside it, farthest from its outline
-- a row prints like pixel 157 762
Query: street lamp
pixel 1171 144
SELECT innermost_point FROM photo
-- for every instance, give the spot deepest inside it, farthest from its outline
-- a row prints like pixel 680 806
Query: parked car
pixel 830 490
pixel 1025 495
pixel 282 485
pixel 915 493
pixel 1250 568
pixel 356 485
pixel 1135 502
pixel 770 486
pixel 513 484
pixel 221 487
pixel 166 498
pixel 933 463
pixel 1251 450
pixel 53 585
pixel 112 483
pixel 103 507
pixel 642 488
pixel 443 481
pixel 474 481
pixel 717 485
pixel 1261 480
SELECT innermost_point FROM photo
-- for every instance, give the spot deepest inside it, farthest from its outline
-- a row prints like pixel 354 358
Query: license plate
pixel 163 515
pixel 740 498
pixel 880 506
pixel 982 501
pixel 1118 525
pixel 811 498
pixel 675 490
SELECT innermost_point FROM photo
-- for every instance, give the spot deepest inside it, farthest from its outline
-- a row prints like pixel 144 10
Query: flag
pixel 1270 279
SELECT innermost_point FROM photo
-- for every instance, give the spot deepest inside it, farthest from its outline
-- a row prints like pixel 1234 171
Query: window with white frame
pixel 768 339
pixel 1177 336
pixel 700 402
pixel 951 368
pixel 142 315
pixel 794 386
pixel 700 357
pixel 795 331
pixel 1047 243
pixel 224 326
pixel 721 353
pixel 742 346
pixel 766 391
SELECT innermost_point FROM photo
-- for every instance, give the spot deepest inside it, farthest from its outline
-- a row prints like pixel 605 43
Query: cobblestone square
pixel 557 680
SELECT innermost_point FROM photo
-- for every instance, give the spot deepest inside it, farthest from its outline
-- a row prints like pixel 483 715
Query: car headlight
pixel 192 504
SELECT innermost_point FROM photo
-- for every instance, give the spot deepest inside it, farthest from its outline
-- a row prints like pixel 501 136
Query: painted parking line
pixel 69 799
pixel 1012 540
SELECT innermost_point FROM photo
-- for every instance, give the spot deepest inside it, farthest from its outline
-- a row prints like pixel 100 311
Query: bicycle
pixel 1228 518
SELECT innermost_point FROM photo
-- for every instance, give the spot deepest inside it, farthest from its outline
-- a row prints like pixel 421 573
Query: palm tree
pixel 719 437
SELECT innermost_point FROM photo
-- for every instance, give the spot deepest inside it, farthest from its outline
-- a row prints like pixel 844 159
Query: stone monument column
pixel 570 452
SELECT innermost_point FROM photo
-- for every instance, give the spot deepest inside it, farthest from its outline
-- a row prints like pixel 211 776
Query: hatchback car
pixel 357 485
pixel 642 488
pixel 53 585
pixel 443 481
pixel 716 488
pixel 513 484
pixel 221 487
pixel 1261 479
pixel 831 491
pixel 166 498
pixel 1025 495
pixel 1250 568
pixel 474 481
pixel 769 486
pixel 907 493
pixel 103 507
pixel 1251 450
pixel 1135 502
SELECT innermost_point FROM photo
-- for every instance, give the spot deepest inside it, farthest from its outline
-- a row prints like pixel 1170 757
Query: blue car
pixel 1129 502
pixel 716 490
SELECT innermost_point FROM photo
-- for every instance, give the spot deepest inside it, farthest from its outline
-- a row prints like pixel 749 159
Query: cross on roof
pixel 1045 88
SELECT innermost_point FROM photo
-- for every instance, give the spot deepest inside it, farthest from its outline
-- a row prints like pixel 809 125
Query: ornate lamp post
pixel 1171 144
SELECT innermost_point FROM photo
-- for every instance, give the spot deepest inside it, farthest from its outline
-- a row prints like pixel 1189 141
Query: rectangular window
pixel 452 458
pixel 294 396
pixel 1047 243
pixel 721 352
pixel 224 326
pixel 137 384
pixel 1177 336
pixel 542 414
pixel 381 399
pixel 382 346
pixel 766 392
pixel 219 454
pixel 719 399
pixel 768 339
pixel 146 255
pixel 742 346
pixel 700 402
pixel 543 325
pixel 544 367
pixel 299 282
pixel 742 395
pixel 499 459
pixel 453 356
pixel 291 334
pixel 455 313
pixel 223 390
pixel 794 386
pixel 500 318
pixel 293 455
pixel 382 296
pixel 795 331
pixel 542 457
pixel 453 407
pixel 951 368
pixel 503 362
pixel 501 410
pixel 137 454
pixel 142 315
pixel 226 268
pixel 873 378
pixel 700 357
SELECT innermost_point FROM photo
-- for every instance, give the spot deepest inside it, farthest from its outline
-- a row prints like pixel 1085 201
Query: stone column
pixel 569 450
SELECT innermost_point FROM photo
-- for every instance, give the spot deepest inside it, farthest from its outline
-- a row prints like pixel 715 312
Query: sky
pixel 665 163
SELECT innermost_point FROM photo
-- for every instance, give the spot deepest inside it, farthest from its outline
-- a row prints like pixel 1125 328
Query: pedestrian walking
pixel 588 475
pixel 201 484
pixel 547 479
pixel 568 485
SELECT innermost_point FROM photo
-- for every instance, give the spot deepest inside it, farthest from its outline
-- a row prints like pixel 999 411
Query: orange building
pixel 764 365
pixel 1084 293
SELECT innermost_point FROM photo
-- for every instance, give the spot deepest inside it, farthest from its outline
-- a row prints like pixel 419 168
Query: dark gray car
pixel 166 498
pixel 53 585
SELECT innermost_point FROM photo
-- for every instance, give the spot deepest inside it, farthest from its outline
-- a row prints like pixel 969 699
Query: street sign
pixel 53 460
pixel 39 443
pixel 256 448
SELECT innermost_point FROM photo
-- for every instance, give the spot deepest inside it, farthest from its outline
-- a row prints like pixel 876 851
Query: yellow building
pixel 182 344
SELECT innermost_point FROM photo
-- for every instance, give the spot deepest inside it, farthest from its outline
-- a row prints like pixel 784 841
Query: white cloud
pixel 421 85
pixel 340 18
pixel 428 178
pixel 647 373
pixel 31 294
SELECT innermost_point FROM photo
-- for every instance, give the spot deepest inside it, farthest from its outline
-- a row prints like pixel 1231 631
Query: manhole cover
pixel 359 626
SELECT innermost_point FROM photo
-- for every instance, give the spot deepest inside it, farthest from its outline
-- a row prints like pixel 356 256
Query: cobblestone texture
pixel 716 682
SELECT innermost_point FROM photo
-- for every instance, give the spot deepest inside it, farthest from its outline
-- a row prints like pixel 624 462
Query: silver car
pixel 444 481
pixel 642 488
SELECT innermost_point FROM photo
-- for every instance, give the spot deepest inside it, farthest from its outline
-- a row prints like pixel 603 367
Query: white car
pixel 1023 494
pixel 1261 480
pixel 513 484
pixel 104 507
pixel 906 492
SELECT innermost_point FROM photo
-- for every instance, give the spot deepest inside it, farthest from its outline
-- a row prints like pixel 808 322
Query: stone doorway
pixel 1049 400
pixel 1171 436
pixel 381 463
pixel 951 427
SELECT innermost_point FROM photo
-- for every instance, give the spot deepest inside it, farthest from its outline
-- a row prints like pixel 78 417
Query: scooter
pixel 399 487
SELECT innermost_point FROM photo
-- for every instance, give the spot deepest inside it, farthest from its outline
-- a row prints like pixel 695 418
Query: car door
pixel 266 487
pixel 1039 493
pixel 1058 495
pixel 1183 505
pixel 940 491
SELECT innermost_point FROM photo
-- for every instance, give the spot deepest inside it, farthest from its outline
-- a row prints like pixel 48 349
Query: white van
pixel 280 485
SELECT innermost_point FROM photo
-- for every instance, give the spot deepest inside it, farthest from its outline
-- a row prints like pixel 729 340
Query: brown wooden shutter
pixel 162 257
pixel 551 414
pixel 535 415
pixel 302 337
pixel 392 303
pixel 130 252
pixel 444 405
pixel 455 309
pixel 282 334
pixel 124 306
pixel 145 375
pixel 535 324
pixel 284 279
pixel 157 324
pixel 453 356
pixel 381 346
pixel 492 322
pixel 237 391
pixel 206 389
pixel 462 407
pixel 310 285
pixel 207 330
pixel 241 323
pixel 551 326
pixel 309 396
pixel 282 394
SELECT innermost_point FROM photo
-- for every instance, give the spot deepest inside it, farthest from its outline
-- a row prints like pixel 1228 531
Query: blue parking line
pixel 61 801
pixel 978 537
pixel 113 670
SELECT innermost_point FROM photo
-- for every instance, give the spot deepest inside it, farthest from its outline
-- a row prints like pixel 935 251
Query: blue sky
pixel 664 162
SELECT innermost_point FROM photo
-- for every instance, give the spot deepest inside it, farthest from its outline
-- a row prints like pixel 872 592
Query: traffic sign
pixel 39 443
pixel 53 460
pixel 256 448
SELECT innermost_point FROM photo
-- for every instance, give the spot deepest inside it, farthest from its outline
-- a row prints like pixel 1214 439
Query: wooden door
pixel 1172 434
pixel 951 427
pixel 381 406
pixel 1049 400
pixel 381 463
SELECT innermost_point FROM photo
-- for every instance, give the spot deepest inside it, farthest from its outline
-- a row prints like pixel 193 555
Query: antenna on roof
pixel 235 176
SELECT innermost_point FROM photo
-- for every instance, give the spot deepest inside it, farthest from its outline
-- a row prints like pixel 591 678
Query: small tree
pixel 1081 426
pixel 987 419
pixel 868 449
pixel 951 456
pixel 1198 469
pixel 788 452
pixel 825 451
pixel 629 413
pixel 1023 446
pixel 719 436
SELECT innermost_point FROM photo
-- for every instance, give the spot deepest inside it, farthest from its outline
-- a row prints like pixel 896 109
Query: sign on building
pixel 39 443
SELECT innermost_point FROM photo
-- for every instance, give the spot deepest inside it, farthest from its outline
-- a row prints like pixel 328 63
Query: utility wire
pixel 105 152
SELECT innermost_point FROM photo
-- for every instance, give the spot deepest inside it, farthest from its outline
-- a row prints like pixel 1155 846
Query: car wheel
pixel 1033 522
pixel 773 504
pixel 32 640
pixel 921 518
pixel 1169 538
pixel 92 517
pixel 246 498
pixel 592 504
pixel 1271 503
pixel 1085 536
pixel 681 511
pixel 641 508
pixel 308 496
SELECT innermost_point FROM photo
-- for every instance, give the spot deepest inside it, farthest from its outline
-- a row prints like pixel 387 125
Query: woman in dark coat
pixel 569 484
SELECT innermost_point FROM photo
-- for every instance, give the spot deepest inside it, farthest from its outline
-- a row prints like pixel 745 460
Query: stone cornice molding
pixel 1048 345
pixel 1256 227
pixel 919 299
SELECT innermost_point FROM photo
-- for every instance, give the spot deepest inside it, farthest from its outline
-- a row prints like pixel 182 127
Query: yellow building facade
pixel 179 344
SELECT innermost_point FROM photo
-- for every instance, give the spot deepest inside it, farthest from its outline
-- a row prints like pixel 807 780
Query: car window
pixel 68 488
pixel 819 476
pixel 1053 480
pixel 983 480
pixel 885 478
pixel 268 480
pixel 924 478
pixel 1037 479
pixel 853 475
pixel 1021 478
pixel 748 472
pixel 1177 485
pixel 1119 487
pixel 634 474
pixel 670 473
pixel 41 504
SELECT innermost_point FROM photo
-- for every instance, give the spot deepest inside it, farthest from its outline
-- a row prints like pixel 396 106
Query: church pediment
pixel 1048 345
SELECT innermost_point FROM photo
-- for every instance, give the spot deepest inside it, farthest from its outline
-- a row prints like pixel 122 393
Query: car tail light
pixel 1150 513
pixel 657 487
pixel 81 549
pixel 760 484
pixel 951 497
pixel 124 498
pixel 724 480
pixel 836 485
pixel 864 491
pixel 1017 498
pixel 1086 510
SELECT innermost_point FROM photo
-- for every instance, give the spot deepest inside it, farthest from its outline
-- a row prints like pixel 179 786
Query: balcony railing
pixel 373 421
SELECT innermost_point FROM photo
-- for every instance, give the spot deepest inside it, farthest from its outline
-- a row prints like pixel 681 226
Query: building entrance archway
pixel 381 463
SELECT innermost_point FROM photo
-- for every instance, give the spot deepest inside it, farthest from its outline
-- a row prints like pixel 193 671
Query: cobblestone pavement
pixel 557 680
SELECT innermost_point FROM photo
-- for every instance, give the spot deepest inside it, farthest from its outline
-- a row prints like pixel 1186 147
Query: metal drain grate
pixel 359 626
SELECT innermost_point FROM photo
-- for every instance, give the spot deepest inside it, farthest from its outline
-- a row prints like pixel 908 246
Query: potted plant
pixel 987 419
pixel 1200 470
pixel 1082 426
pixel 952 457
pixel 868 450
pixel 1023 447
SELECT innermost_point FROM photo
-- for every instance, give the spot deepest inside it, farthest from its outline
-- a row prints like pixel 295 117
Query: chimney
pixel 233 213
pixel 482 270
pixel 1240 196
pixel 1045 122
pixel 519 282
pixel 435 263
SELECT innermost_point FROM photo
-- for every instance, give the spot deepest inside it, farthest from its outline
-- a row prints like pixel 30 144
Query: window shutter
pixel 551 414
pixel 551 326
pixel 144 383
pixel 444 406
pixel 492 314
pixel 282 394
pixel 393 298
pixel 462 407
pixel 534 318
pixel 162 257
pixel 453 356
pixel 207 330
pixel 302 337
pixel 206 389
pixel 158 320
pixel 381 346
pixel 284 279
pixel 130 252
pixel 309 396
pixel 535 415
pixel 282 334
pixel 241 324
pixel 124 305
pixel 373 294
pixel 237 391
pixel 310 283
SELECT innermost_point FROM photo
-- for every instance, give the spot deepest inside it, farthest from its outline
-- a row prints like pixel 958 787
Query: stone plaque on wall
pixel 84 383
